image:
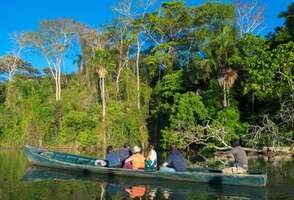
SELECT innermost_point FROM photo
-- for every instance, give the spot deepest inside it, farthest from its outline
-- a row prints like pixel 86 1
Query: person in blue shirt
pixel 125 152
pixel 112 157
pixel 175 161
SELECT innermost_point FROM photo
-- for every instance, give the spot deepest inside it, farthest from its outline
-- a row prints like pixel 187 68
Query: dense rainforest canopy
pixel 197 76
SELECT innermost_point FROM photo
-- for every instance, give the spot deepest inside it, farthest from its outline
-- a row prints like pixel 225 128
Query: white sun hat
pixel 136 149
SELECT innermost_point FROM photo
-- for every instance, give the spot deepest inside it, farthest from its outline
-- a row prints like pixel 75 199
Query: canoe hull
pixel 202 176
pixel 37 173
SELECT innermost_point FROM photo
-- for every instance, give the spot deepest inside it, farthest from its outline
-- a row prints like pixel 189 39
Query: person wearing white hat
pixel 135 161
pixel 136 149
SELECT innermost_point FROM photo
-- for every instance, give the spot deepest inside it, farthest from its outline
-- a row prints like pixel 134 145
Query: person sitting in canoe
pixel 151 161
pixel 112 158
pixel 135 161
pixel 124 153
pixel 241 162
pixel 175 161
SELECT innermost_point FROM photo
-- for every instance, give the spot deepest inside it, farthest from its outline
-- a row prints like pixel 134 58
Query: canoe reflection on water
pixel 136 188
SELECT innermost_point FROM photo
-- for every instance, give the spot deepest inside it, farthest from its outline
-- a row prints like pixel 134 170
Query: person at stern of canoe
pixel 241 162
pixel 175 161
pixel 135 161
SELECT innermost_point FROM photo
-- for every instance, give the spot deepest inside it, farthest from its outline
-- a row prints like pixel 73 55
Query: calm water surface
pixel 19 180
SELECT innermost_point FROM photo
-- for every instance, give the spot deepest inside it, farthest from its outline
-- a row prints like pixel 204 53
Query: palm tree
pixel 226 80
pixel 103 59
pixel 102 72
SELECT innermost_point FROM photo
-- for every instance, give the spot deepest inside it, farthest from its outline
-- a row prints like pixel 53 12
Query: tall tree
pixel 119 39
pixel 166 29
pixel 127 30
pixel 250 16
pixel 121 35
pixel 289 19
pixel 90 40
pixel 103 60
pixel 10 64
pixel 141 38
pixel 285 33
pixel 255 65
pixel 215 37
pixel 226 80
pixel 282 58
pixel 52 40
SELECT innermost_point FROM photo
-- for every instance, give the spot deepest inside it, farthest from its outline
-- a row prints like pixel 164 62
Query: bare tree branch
pixel 52 41
pixel 250 16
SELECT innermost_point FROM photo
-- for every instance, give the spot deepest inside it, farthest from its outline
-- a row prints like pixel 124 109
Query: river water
pixel 21 181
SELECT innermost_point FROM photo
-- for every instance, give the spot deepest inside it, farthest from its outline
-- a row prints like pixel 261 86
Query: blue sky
pixel 24 15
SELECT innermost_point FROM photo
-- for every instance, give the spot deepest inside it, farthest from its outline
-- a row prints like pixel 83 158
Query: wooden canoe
pixel 73 162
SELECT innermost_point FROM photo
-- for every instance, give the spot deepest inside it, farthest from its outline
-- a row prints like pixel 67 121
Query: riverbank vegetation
pixel 197 76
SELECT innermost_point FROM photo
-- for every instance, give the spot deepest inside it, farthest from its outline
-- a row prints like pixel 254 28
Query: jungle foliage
pixel 180 74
